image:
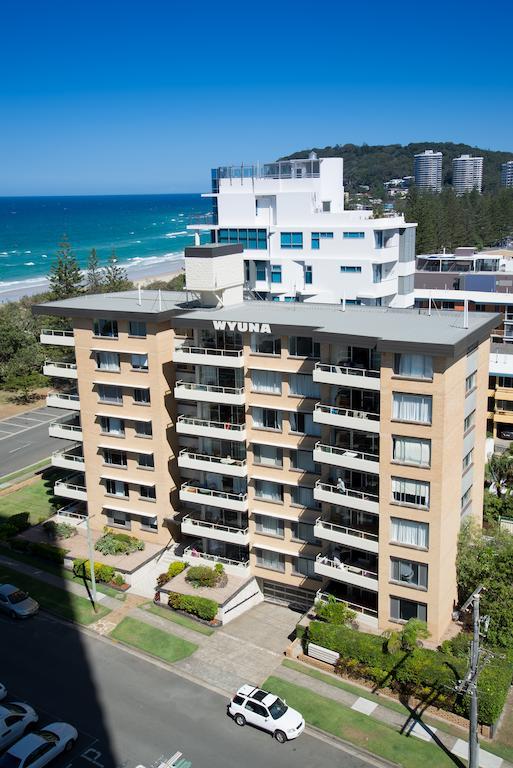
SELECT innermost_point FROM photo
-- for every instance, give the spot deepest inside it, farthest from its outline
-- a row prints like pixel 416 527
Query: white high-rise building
pixel 467 174
pixel 299 242
pixel 427 168
pixel 507 174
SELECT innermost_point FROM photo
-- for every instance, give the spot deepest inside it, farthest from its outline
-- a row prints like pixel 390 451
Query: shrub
pixel 219 568
pixel 118 580
pixel 48 552
pixel 175 568
pixel 21 545
pixel 203 576
pixel 8 531
pixel 102 573
pixel 112 543
pixel 14 525
pixel 59 530
pixel 334 611
pixel 198 606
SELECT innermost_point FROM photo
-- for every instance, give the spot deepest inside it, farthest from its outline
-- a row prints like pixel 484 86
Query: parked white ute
pixel 266 711
pixel 15 718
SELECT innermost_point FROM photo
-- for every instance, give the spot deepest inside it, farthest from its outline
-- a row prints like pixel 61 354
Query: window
pixel 145 460
pixel 143 429
pixel 114 458
pixel 291 240
pixel 470 382
pixel 350 268
pixel 271 526
pixel 505 382
pixel 272 560
pixel 304 346
pixel 268 455
pixel 149 523
pixel 378 238
pixel 377 273
pixel 266 418
pixel 137 328
pixel 403 610
pixel 303 460
pixel 416 408
pixel 107 393
pixel 411 450
pixel 467 460
pixel 116 488
pixel 268 491
pixel 303 385
pixel 303 497
pixel 107 361
pixel 469 421
pixel 139 362
pixel 304 566
pixel 409 573
pixel 308 275
pixel 260 270
pixel 119 519
pixel 268 382
pixel 414 366
pixel 353 235
pixel 107 328
pixel 410 533
pixel 147 492
pixel 252 239
pixel 303 532
pixel 303 424
pixel 466 498
pixel 326 206
pixel 264 344
pixel 410 492
pixel 318 236
pixel 111 426
pixel 142 396
pixel 275 273
pixel 258 709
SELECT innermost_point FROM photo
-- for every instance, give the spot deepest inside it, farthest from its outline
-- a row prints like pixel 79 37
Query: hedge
pixel 198 606
pixel 424 673
pixel 45 551
pixel 14 525
pixel 104 573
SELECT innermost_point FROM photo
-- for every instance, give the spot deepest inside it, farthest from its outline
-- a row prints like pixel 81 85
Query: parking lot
pixel 24 438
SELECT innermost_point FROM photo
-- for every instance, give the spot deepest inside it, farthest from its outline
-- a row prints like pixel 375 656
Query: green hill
pixel 374 164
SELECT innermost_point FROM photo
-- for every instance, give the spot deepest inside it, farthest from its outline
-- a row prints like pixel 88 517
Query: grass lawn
pixel 58 601
pixel 25 471
pixel 359 729
pixel 154 641
pixel 36 498
pixel 177 618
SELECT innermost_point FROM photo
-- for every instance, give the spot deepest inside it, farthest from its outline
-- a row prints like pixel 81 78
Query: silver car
pixel 16 603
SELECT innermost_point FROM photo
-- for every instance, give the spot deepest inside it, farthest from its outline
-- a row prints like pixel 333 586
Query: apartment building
pixel 467 174
pixel 300 244
pixel 507 174
pixel 427 169
pixel 317 449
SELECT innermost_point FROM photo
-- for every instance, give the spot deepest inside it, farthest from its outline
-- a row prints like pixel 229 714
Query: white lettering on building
pixel 233 325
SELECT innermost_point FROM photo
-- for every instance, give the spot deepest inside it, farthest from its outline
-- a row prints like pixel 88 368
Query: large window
pixel 303 532
pixel 412 408
pixel 107 328
pixel 139 362
pixel 304 566
pixel 272 560
pixel 291 239
pixel 412 450
pixel 308 274
pixel 145 460
pixel 410 533
pixel 303 424
pixel 116 488
pixel 107 393
pixel 271 526
pixel 264 344
pixel 268 491
pixel 353 235
pixel 114 458
pixel 147 492
pixel 143 429
pixel 137 328
pixel 107 361
pixel 409 573
pixel 111 426
pixel 268 382
pixel 303 460
pixel 318 236
pixel 403 610
pixel 412 492
pixel 251 239
pixel 303 385
pixel 303 497
pixel 260 267
pixel 304 346
pixel 414 366
pixel 275 273
pixel 266 418
pixel 268 455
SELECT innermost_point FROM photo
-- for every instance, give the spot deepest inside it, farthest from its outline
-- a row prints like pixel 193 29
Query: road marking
pixel 26 445
pixel 26 429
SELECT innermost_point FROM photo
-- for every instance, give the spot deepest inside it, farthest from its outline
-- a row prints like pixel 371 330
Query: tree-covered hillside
pixel 374 164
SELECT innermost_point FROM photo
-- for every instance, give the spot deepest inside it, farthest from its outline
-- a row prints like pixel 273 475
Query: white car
pixel 15 718
pixel 40 747
pixel 3 691
pixel 266 711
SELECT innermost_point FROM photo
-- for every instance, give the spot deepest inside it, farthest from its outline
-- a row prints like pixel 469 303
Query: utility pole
pixel 91 561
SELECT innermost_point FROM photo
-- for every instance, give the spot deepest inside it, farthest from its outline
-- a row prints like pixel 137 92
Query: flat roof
pixel 148 304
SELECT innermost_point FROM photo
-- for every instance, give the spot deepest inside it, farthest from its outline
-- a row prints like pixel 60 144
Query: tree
pixel 65 274
pixel 408 638
pixel 95 274
pixel 177 283
pixel 25 385
pixel 334 611
pixel 499 472
pixel 115 278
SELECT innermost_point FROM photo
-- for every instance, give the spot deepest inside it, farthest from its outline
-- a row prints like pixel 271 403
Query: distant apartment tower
pixel 507 174
pixel 467 174
pixel 427 169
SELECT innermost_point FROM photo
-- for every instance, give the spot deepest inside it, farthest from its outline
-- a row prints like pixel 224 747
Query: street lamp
pixel 91 561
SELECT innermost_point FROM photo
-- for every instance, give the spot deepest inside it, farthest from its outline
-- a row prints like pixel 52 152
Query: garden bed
pixel 213 624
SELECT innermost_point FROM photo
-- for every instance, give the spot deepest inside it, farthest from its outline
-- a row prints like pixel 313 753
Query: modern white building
pixel 467 174
pixel 427 169
pixel 507 174
pixel 299 242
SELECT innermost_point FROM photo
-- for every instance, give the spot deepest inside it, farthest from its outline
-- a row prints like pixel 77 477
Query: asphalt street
pixel 24 438
pixel 131 713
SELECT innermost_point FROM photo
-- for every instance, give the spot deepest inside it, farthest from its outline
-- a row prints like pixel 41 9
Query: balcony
pixel 501 356
pixel 76 510
pixel 225 358
pixel 67 430
pixel 351 537
pixel 72 488
pixel 197 495
pixel 57 338
pixel 339 494
pixel 347 376
pixel 235 567
pixel 346 418
pixel 191 526
pixel 224 465
pixel 209 393
pixel 70 459
pixel 60 370
pixel 223 430
pixel 63 400
pixel 347 458
pixel 349 574
pixel 366 614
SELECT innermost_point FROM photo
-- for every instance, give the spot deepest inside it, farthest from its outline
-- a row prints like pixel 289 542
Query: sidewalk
pixel 407 725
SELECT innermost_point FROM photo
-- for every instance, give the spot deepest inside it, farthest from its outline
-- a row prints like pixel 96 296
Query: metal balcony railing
pixel 343 491
pixel 345 530
pixel 332 409
pixel 327 368
pixel 193 421
pixel 228 460
pixel 331 449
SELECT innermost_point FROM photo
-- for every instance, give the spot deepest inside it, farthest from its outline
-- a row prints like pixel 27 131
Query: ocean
pixel 146 232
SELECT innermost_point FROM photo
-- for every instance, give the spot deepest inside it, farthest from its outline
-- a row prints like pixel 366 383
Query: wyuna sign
pixel 233 325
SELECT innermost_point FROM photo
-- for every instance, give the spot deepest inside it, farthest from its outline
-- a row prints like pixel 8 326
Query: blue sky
pixel 104 96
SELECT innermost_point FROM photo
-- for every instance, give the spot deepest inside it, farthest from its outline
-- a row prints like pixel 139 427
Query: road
pixel 24 438
pixel 131 713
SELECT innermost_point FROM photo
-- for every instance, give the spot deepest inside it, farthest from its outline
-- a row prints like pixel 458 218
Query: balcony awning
pixel 121 351
pixel 123 418
pixel 124 449
pixel 131 480
pixel 132 512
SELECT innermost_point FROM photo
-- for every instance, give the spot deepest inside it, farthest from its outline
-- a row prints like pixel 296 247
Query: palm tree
pixel 408 638
pixel 499 472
